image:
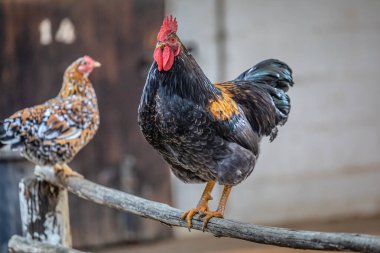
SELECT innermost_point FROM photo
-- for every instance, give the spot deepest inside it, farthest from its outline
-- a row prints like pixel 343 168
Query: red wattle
pixel 168 58
pixel 158 58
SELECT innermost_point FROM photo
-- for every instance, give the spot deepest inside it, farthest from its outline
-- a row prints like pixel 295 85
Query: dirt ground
pixel 206 243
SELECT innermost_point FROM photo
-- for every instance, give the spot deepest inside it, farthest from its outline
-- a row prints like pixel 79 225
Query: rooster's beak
pixel 96 64
pixel 160 44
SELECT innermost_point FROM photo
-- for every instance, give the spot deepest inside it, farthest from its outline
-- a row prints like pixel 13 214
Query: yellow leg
pixel 65 171
pixel 221 207
pixel 202 206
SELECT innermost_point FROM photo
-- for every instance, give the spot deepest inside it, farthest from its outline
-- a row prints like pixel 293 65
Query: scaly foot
pixel 64 171
pixel 202 206
pixel 208 215
pixel 189 214
pixel 221 207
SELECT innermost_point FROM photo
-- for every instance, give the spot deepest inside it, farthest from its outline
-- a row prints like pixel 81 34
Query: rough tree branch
pixel 282 237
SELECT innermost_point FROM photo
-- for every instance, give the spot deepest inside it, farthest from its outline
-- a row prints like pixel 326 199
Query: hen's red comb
pixel 168 26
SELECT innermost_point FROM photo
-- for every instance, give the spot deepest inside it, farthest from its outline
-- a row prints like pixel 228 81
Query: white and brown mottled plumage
pixel 52 133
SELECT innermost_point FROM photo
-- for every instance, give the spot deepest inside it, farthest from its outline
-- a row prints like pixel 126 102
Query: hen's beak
pixel 160 44
pixel 96 64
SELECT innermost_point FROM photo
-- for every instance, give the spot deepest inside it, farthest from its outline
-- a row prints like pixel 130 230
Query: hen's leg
pixel 202 206
pixel 65 171
pixel 221 207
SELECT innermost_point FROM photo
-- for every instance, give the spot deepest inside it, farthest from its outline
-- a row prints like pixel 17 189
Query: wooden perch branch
pixel 18 244
pixel 219 227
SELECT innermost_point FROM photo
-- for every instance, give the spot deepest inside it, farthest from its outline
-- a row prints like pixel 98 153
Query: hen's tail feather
pixel 2 133
pixel 7 136
pixel 270 72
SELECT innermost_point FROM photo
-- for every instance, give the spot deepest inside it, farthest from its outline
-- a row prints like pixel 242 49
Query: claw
pixel 65 171
pixel 221 207
pixel 183 217
pixel 189 214
pixel 203 209
pixel 210 215
pixel 202 206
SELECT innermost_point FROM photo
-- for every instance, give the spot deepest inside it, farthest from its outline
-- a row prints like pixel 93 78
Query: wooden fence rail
pixel 219 227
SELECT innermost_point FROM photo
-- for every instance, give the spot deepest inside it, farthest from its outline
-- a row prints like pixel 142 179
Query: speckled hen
pixel 210 132
pixel 52 133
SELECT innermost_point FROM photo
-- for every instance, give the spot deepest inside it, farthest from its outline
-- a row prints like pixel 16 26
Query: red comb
pixel 168 26
pixel 88 58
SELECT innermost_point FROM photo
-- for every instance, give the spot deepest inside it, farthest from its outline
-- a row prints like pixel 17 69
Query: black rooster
pixel 210 132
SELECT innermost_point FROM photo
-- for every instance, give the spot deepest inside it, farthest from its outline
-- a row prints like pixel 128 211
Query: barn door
pixel 38 40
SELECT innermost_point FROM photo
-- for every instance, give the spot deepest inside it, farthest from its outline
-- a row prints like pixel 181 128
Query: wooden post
pixel 18 244
pixel 12 169
pixel 44 212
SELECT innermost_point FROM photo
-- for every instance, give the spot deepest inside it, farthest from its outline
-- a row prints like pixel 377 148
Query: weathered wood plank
pixel 44 212
pixel 219 227
pixel 18 244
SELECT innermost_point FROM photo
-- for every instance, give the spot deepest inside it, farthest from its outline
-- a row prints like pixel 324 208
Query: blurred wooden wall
pixel 38 40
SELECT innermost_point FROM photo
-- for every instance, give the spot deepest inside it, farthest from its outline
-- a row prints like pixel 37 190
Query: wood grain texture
pixel 44 212
pixel 170 216
pixel 18 244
